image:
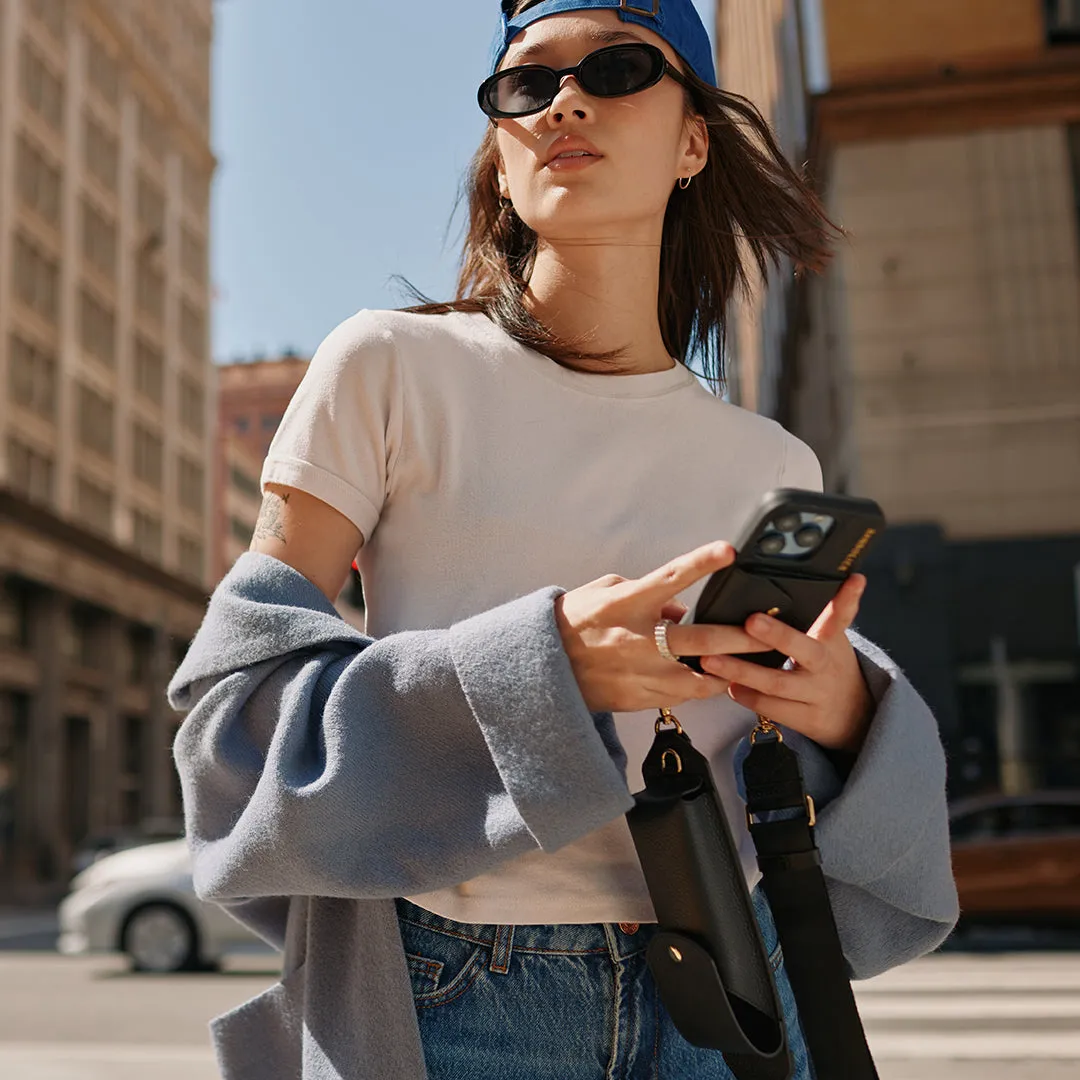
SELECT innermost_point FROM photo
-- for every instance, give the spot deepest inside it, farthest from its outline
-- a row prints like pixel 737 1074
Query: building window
pixel 195 185
pixel 150 205
pixel 30 472
pixel 140 653
pixel 193 255
pixel 241 530
pixel 1072 134
pixel 245 483
pixel 94 506
pixel 192 483
pixel 51 14
pixel 85 644
pixel 15 600
pixel 32 377
pixel 97 328
pixel 270 424
pixel 242 424
pixel 150 291
pixel 37 278
pixel 192 406
pixel 41 89
pixel 1063 21
pixel 149 370
pixel 102 152
pixel 192 329
pixel 146 535
pixel 191 558
pixel 147 455
pixel 103 70
pixel 99 239
pixel 95 422
pixel 133 757
pixel 152 133
pixel 38 181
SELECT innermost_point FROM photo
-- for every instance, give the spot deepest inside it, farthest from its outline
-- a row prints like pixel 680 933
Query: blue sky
pixel 342 128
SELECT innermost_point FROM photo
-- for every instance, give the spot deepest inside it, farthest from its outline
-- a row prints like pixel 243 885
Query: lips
pixel 571 148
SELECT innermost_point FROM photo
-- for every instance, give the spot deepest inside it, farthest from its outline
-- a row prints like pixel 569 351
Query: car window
pixel 977 825
pixel 1042 818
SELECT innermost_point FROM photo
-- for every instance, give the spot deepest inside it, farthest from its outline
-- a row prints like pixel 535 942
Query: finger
pixel 793 714
pixel 670 579
pixel 842 610
pixel 673 610
pixel 709 640
pixel 774 683
pixel 807 652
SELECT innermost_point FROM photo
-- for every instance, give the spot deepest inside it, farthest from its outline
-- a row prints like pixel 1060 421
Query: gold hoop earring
pixel 684 182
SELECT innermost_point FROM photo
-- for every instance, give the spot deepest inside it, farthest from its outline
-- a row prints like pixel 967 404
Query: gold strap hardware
pixel 765 727
pixel 664 757
pixel 668 717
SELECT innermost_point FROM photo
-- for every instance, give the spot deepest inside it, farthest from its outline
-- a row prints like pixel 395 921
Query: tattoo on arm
pixel 271 525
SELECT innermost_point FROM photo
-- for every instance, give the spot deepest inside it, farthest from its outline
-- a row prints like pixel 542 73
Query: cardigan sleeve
pixel 316 761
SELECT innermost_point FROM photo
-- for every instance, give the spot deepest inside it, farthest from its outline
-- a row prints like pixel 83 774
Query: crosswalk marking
pixel 964 1007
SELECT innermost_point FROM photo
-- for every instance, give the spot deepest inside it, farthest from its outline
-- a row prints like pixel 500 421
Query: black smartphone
pixel 800 547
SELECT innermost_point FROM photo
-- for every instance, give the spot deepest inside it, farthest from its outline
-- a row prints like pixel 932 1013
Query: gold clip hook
pixel 668 717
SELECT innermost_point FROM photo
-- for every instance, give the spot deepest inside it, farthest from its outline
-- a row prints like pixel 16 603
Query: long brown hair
pixel 748 206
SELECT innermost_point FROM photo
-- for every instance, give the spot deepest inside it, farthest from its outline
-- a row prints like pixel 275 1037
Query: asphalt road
pixel 954 1016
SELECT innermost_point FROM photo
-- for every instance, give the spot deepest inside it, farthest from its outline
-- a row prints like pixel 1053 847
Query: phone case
pixel 794 590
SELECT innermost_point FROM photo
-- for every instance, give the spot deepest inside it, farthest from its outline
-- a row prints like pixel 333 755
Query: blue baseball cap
pixel 676 21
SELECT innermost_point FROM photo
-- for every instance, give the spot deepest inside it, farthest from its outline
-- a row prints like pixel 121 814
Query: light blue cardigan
pixel 325 773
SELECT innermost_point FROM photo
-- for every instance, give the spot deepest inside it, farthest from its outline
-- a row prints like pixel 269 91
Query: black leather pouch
pixel 708 959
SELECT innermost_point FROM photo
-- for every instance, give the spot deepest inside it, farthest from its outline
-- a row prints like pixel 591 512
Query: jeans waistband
pixel 620 940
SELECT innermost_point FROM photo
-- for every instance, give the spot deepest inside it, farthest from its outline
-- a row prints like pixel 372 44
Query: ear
pixel 696 147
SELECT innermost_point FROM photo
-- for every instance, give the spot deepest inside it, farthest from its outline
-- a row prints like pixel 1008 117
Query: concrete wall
pixel 956 313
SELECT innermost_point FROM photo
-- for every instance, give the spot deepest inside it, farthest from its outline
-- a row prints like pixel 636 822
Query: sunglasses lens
pixel 526 90
pixel 622 70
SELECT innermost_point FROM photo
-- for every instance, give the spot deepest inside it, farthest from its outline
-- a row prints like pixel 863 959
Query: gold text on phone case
pixel 856 551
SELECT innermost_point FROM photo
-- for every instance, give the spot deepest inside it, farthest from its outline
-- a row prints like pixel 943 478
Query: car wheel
pixel 160 938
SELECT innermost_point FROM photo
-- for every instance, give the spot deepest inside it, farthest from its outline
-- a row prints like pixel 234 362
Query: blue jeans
pixel 567 1002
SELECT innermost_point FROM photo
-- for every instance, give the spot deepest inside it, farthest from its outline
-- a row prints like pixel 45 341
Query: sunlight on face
pixel 642 142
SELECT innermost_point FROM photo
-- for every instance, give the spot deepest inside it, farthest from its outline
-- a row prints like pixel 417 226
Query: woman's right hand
pixel 607 630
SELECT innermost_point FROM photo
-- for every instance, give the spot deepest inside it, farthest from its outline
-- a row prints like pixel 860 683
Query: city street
pixel 960 1016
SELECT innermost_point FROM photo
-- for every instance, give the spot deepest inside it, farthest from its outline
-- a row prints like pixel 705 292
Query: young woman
pixel 428 818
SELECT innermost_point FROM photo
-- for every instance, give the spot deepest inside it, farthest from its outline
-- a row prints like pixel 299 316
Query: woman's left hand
pixel 824 696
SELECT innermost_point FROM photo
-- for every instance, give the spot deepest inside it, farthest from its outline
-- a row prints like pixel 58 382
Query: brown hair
pixel 748 203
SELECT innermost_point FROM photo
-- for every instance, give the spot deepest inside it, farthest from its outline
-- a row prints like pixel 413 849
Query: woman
pixel 428 818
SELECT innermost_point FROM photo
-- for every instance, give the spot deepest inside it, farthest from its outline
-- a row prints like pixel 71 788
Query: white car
pixel 141 902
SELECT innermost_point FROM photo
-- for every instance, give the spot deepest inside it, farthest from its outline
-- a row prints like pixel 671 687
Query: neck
pixel 603 294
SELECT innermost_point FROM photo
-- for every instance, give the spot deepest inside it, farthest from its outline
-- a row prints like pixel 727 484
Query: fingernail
pixel 761 624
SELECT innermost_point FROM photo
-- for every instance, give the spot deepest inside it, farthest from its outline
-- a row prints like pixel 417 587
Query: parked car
pixel 98 845
pixel 1016 859
pixel 141 902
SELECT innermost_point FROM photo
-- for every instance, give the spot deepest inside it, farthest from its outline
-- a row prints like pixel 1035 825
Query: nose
pixel 570 101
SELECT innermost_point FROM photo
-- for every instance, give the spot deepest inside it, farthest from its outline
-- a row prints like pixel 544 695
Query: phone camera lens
pixel 787 522
pixel 809 536
pixel 772 544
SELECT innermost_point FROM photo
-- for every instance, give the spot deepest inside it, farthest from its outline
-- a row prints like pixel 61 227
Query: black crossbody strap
pixel 795 888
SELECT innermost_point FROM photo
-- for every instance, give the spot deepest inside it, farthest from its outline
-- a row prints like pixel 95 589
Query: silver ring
pixel 660 635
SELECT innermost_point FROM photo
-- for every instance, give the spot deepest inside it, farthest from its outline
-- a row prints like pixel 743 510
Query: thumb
pixel 841 610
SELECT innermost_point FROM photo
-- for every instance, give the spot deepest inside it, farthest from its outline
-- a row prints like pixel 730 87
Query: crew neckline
pixel 646 385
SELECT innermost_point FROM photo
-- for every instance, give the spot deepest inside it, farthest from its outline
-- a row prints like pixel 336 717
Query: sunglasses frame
pixel 667 68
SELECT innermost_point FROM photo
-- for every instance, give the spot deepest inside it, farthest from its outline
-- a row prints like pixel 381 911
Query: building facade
pixel 936 365
pixel 106 412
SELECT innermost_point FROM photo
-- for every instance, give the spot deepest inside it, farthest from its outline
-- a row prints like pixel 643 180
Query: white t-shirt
pixel 477 471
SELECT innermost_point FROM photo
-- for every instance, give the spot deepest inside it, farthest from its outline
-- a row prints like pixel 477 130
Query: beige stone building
pixel 937 364
pixel 106 411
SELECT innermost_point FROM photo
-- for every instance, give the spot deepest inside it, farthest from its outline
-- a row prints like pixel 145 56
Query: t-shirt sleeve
pixel 341 432
pixel 800 467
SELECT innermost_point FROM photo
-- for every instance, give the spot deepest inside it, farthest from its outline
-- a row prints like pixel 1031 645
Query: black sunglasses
pixel 614 71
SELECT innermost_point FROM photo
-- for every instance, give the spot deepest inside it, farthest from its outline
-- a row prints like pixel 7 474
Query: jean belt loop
pixel 502 949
